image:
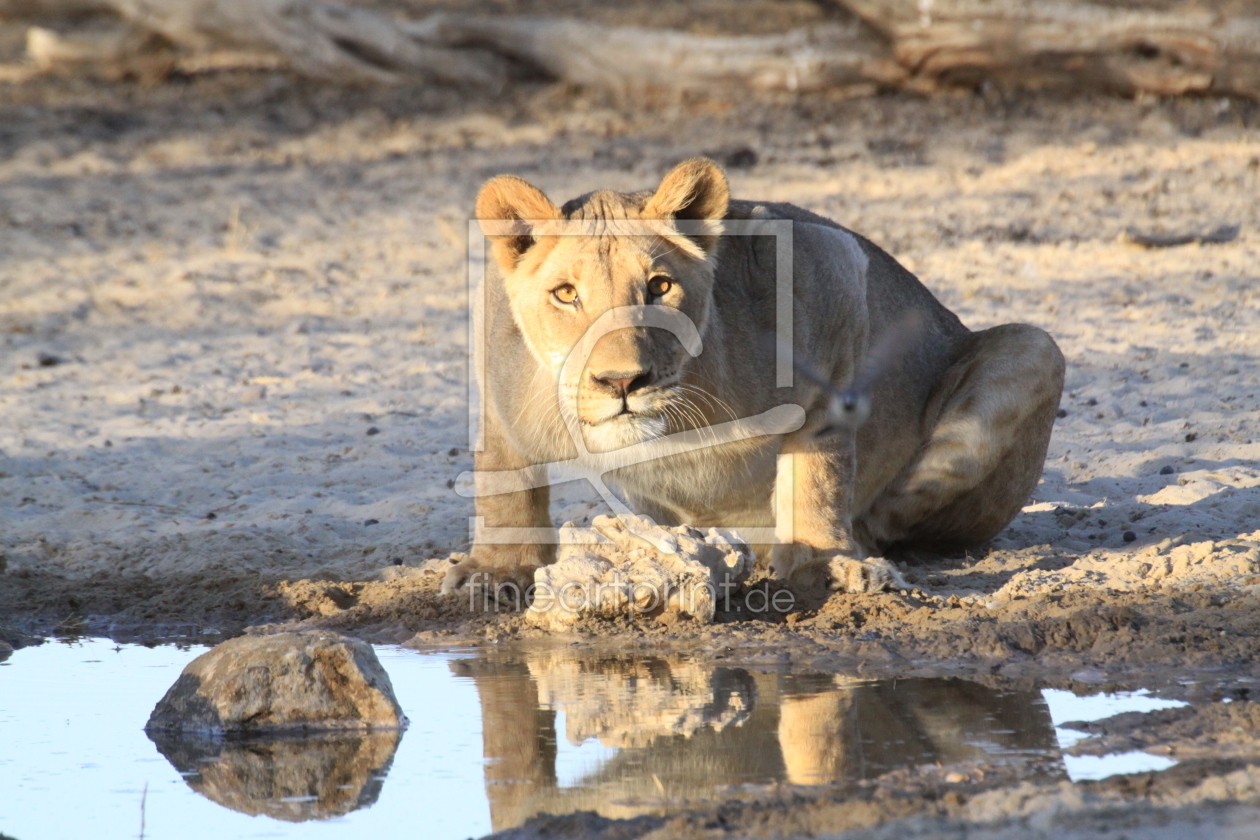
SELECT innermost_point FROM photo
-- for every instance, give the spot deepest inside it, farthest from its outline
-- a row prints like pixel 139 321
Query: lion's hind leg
pixel 994 410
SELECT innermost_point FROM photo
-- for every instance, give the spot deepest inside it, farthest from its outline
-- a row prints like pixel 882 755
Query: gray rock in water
pixel 289 682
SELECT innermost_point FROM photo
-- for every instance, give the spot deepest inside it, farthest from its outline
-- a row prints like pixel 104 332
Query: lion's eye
pixel 659 285
pixel 565 294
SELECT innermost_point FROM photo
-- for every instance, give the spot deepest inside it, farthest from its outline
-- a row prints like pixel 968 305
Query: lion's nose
pixel 624 384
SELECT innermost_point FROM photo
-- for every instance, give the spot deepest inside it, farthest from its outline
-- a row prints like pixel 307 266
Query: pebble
pixel 371 522
pixel 1129 536
pixel 372 430
pixel 736 157
pixel 1061 413
pixel 1166 470
pixel 1090 675
pixel 49 360
pixel 1191 437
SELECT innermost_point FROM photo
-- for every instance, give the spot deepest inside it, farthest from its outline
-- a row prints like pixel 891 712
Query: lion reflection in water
pixel 683 729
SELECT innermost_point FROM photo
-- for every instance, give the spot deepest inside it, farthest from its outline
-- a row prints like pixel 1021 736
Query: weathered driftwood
pixel 1182 48
pixel 322 40
pixel 628 58
pixel 1185 46
pixel 113 54
pixel 21 9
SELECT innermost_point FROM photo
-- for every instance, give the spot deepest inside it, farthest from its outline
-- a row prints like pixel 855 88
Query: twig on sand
pixel 1217 236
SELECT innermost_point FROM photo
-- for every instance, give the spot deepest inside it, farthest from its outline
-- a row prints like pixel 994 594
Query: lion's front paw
pixel 496 581
pixel 874 574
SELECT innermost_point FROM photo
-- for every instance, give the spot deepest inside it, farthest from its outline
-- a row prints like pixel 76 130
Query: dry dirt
pixel 234 380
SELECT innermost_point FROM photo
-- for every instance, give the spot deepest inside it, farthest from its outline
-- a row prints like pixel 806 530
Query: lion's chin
pixel 622 431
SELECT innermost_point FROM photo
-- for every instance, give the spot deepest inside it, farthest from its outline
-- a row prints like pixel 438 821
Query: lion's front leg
pixel 815 548
pixel 496 573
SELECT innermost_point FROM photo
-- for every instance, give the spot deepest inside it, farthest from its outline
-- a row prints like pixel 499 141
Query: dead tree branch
pixel 626 58
pixel 1189 48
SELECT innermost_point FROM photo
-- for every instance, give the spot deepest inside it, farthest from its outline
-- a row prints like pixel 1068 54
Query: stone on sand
pixel 288 682
pixel 685 573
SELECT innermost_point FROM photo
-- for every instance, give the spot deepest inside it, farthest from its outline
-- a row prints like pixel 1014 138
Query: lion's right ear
pixel 696 194
pixel 508 209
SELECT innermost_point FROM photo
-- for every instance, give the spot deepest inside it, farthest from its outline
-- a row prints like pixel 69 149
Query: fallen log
pixel 628 58
pixel 321 40
pixel 1187 47
pixel 112 54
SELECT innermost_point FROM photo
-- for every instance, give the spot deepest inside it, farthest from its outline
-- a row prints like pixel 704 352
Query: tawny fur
pixel 954 445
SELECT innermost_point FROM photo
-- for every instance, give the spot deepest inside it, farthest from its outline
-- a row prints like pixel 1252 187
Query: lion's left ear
pixel 694 194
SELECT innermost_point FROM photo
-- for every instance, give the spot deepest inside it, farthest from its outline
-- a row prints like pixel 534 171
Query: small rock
pixel 1191 437
pixel 1129 536
pixel 367 522
pixel 1061 413
pixel 388 574
pixel 404 571
pixel 453 452
pixel 1166 470
pixel 6 650
pixel 1092 676
pixel 49 360
pixel 628 576
pixel 212 515
pixel 739 157
pixel 372 430
pixel 289 682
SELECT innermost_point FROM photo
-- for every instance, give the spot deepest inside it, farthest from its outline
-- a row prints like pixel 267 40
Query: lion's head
pixel 565 267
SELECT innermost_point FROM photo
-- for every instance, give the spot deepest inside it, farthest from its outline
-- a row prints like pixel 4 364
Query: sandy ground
pixel 234 308
pixel 233 313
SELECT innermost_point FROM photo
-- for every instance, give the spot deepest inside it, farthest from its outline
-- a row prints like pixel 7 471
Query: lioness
pixel 959 423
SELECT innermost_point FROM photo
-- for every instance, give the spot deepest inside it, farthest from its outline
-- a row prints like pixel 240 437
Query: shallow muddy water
pixel 495 737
